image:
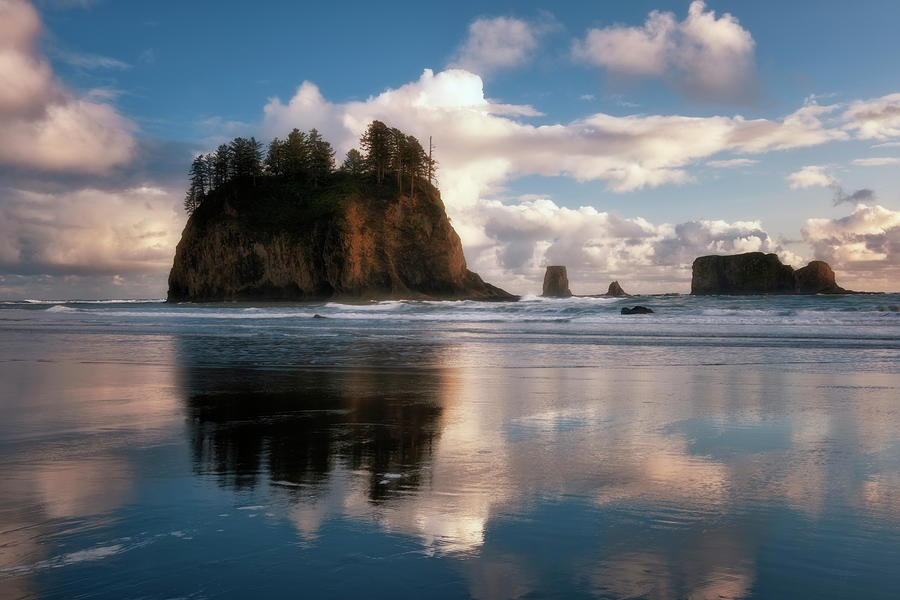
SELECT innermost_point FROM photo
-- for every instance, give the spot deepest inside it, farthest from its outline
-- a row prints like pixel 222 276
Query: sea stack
pixel 759 273
pixel 817 278
pixel 615 290
pixel 347 242
pixel 556 283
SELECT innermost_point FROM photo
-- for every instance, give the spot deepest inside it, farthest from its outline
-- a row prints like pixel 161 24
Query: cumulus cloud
pixel 704 56
pixel 481 145
pixel 43 125
pixel 89 231
pixel 498 43
pixel 484 144
pixel 878 161
pixel 598 246
pixel 864 244
pixel 878 118
pixel 811 176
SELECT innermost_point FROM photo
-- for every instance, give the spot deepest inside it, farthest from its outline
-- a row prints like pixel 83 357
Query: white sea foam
pixel 61 309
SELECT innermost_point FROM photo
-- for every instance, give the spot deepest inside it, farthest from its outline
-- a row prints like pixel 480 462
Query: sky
pixel 621 139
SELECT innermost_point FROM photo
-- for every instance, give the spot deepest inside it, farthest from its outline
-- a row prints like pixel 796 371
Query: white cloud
pixel 734 162
pixel 811 176
pixel 864 244
pixel 43 125
pixel 498 43
pixel 704 56
pixel 599 246
pixel 90 231
pixel 878 161
pixel 85 60
pixel 877 118
pixel 482 145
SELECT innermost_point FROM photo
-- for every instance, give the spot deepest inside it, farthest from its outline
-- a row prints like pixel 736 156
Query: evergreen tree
pixel 246 158
pixel 320 157
pixel 222 167
pixel 376 143
pixel 355 163
pixel 274 162
pixel 198 184
pixel 415 161
pixel 295 154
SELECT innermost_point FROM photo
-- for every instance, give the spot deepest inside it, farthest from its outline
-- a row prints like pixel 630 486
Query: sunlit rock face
pixel 758 273
pixel 556 283
pixel 249 242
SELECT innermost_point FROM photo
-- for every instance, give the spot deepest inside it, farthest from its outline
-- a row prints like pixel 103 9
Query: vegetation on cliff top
pixel 297 180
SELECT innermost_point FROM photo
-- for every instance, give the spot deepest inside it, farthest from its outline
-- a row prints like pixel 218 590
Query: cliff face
pixel 248 243
pixel 817 278
pixel 556 283
pixel 758 273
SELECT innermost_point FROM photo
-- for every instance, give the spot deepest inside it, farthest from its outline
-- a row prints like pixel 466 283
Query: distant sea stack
pixel 345 240
pixel 556 283
pixel 759 273
pixel 615 290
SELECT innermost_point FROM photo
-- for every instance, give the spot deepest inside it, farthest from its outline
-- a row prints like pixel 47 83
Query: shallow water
pixel 722 447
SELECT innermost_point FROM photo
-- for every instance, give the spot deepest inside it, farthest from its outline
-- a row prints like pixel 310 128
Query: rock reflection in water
pixel 294 428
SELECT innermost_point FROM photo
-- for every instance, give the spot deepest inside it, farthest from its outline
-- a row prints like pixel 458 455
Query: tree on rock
pixel 321 157
pixel 376 142
pixel 199 178
pixel 355 163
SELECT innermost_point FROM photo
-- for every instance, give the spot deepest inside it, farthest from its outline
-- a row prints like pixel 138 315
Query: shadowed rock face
pixel 817 278
pixel 252 243
pixel 758 273
pixel 556 283
pixel 615 290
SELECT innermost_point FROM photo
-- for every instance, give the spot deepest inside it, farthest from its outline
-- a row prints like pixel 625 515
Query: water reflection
pixel 617 482
pixel 296 428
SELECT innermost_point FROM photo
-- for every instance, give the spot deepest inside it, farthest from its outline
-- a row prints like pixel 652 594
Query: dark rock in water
pixel 816 278
pixel 758 273
pixel 637 310
pixel 893 308
pixel 318 316
pixel 556 283
pixel 615 290
pixel 270 242
pixel 750 273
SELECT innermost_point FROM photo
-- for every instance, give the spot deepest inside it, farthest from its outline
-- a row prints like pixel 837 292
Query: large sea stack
pixel 344 241
pixel 615 290
pixel 759 273
pixel 556 283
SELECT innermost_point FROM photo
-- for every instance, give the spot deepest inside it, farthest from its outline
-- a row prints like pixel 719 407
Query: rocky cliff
pixel 556 283
pixel 758 273
pixel 615 290
pixel 350 241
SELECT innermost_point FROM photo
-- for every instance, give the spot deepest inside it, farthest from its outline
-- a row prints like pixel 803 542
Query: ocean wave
pixel 61 309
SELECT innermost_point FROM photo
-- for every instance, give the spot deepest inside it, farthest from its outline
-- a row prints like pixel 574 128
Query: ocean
pixel 722 447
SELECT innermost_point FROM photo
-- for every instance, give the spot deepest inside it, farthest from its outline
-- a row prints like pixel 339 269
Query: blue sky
pixel 172 79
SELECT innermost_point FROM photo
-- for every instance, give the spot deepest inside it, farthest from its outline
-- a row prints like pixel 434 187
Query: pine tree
pixel 294 149
pixel 222 166
pixel 274 163
pixel 355 163
pixel 376 143
pixel 320 156
pixel 198 184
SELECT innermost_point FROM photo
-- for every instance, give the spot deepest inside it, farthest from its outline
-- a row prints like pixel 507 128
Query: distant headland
pixel 292 227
